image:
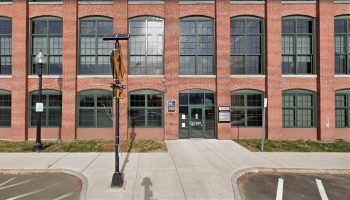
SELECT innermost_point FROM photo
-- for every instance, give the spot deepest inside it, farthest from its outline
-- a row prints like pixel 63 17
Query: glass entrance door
pixel 196 123
pixel 196 115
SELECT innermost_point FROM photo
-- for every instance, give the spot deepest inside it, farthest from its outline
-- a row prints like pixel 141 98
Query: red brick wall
pixel 273 83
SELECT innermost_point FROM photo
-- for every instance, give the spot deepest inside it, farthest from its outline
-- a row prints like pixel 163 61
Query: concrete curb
pixel 81 176
pixel 241 172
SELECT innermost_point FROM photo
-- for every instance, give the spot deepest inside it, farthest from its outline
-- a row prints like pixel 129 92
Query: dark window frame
pixel 345 108
pixel 245 107
pixel 145 19
pixel 3 55
pixel 295 55
pixel 196 35
pixel 95 94
pixel 346 47
pixel 96 35
pixel 295 95
pixel 146 107
pixel 245 34
pixel 5 105
pixel 47 66
pixel 47 108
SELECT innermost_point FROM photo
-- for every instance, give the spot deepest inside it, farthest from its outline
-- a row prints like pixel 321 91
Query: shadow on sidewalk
pixel 132 136
pixel 148 192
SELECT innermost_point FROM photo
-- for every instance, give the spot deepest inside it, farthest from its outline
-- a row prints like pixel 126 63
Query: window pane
pixel 288 65
pixel 288 44
pixel 104 101
pixel 88 27
pixel 288 118
pixel 54 117
pixel 205 65
pixel 304 64
pixel 55 27
pixel 55 100
pixel 104 27
pixel 86 117
pixel 340 44
pixel 104 118
pixel 253 26
pixel 253 65
pixel 304 118
pixel 237 117
pixel 154 100
pixel 340 100
pixel 237 26
pixel 154 117
pixel 254 100
pixel 183 99
pixel 237 65
pixel 196 98
pixel 237 100
pixel 304 26
pixel 137 100
pixel 5 117
pixel 40 27
pixel 5 27
pixel 254 117
pixel 209 99
pixel 341 118
pixel 187 64
pixel 304 45
pixel 340 26
pixel 239 44
pixel 86 101
pixel 288 26
pixel 137 117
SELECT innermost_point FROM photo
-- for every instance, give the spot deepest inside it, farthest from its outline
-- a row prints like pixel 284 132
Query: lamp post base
pixel 117 180
pixel 38 146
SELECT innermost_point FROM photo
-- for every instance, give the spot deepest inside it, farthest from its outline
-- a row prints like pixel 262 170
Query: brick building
pixel 200 55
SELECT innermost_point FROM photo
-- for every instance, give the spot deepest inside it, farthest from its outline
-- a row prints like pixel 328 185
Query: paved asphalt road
pixel 39 186
pixel 267 186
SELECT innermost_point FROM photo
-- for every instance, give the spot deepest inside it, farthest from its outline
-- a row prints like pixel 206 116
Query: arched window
pixel 246 108
pixel 342 44
pixel 5 108
pixel 5 45
pixel 298 47
pixel 146 46
pixel 94 52
pixel 247 45
pixel 46 35
pixel 51 116
pixel 197 48
pixel 145 108
pixel 342 109
pixel 298 109
pixel 95 109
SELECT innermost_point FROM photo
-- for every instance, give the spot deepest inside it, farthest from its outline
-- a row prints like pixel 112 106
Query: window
pixel 5 45
pixel 51 117
pixel 45 0
pixel 145 109
pixel 94 0
pixel 95 109
pixel 196 46
pixel 5 0
pixel 46 35
pixel 298 109
pixel 246 45
pixel 342 109
pixel 146 46
pixel 342 45
pixel 5 108
pixel 94 52
pixel 298 45
pixel 246 108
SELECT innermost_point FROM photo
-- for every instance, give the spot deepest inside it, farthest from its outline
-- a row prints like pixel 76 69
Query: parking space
pixel 286 186
pixel 39 186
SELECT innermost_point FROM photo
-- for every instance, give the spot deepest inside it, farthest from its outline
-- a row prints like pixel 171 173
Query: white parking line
pixel 321 190
pixel 30 193
pixel 64 196
pixel 13 185
pixel 279 194
pixel 4 183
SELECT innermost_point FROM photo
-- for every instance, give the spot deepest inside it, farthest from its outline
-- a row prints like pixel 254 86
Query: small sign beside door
pixel 224 114
pixel 171 105
pixel 39 107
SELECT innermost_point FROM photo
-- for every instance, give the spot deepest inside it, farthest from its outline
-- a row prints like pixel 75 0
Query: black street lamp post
pixel 40 59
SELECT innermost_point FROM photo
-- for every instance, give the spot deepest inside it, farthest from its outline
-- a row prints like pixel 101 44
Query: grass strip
pixel 295 146
pixel 86 146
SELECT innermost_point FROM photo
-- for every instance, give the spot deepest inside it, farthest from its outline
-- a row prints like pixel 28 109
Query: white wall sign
pixel 265 102
pixel 224 114
pixel 171 105
pixel 39 107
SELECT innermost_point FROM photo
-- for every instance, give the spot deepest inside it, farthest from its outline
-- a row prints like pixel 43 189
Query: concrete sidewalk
pixel 191 169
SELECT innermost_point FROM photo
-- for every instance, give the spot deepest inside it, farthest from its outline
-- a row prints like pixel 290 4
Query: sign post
pixel 263 124
pixel 118 74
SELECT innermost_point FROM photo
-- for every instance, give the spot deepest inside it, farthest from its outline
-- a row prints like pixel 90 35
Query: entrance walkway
pixel 191 169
